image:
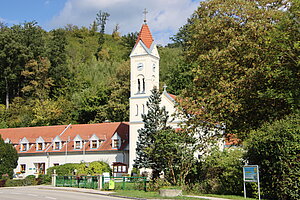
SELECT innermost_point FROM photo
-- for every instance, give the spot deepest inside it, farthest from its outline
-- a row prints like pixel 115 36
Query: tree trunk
pixel 7 94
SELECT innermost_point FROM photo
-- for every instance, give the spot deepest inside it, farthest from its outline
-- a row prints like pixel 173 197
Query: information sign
pixel 250 173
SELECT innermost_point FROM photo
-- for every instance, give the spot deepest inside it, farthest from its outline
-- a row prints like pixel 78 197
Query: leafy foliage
pixel 178 156
pixel 275 148
pixel 221 172
pixel 8 158
pixel 241 77
pixel 93 168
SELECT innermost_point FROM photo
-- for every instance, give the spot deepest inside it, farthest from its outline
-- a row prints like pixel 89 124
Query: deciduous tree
pixel 245 63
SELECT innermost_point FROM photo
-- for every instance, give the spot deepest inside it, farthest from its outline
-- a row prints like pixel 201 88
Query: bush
pixel 2 182
pixel 44 179
pixel 275 148
pixel 155 185
pixel 29 180
pixel 93 168
pixel 220 173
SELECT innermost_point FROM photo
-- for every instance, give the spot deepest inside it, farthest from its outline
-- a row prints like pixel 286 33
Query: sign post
pixel 251 174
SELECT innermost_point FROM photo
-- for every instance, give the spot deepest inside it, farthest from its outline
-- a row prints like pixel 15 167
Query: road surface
pixel 35 193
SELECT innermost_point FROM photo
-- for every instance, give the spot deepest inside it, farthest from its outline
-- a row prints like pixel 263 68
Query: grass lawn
pixel 155 195
pixel 226 196
pixel 147 195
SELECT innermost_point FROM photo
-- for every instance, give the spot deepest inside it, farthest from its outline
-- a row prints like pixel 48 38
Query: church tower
pixel 144 75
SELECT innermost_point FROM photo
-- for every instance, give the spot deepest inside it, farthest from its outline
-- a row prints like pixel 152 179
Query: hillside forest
pixel 67 75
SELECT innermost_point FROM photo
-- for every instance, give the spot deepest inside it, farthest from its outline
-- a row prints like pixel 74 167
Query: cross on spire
pixel 165 87
pixel 145 15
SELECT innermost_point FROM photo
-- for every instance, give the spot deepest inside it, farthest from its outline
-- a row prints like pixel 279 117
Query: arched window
pixel 139 85
pixel 137 110
pixel 143 109
pixel 144 85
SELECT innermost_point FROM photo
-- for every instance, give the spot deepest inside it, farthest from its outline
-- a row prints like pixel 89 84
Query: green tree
pixel 8 158
pixel 57 55
pixel 101 19
pixel 221 171
pixel 117 107
pixel 128 41
pixel 154 121
pixel 245 64
pixel 275 148
pixel 36 79
pixel 178 155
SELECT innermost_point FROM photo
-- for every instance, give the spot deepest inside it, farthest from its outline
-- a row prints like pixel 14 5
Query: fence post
pixel 54 178
pixel 145 184
pixel 123 184
pixel 100 180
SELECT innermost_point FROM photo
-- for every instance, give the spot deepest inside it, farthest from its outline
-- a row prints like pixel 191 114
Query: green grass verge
pixel 147 195
pixel 224 196
pixel 155 195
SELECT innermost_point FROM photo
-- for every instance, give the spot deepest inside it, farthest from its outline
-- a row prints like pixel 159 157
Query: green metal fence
pixel 92 182
pixel 125 183
pixel 80 182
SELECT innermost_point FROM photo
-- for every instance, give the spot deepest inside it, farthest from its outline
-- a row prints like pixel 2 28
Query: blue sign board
pixel 251 173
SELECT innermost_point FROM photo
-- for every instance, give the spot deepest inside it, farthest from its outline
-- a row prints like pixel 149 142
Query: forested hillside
pixel 69 75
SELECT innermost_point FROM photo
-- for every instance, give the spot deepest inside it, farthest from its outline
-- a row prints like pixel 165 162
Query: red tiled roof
pixel 104 131
pixel 145 36
pixel 172 96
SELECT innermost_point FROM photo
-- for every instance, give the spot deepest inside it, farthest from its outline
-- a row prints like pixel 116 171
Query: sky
pixel 164 17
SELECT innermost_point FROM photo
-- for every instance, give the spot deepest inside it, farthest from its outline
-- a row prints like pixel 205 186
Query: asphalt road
pixel 32 193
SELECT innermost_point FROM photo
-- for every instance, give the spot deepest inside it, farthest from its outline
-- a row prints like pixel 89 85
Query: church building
pixel 144 67
pixel 115 143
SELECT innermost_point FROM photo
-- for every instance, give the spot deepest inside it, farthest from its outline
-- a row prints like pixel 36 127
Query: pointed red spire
pixel 145 36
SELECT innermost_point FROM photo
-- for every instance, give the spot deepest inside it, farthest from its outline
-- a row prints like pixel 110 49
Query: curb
pixel 89 192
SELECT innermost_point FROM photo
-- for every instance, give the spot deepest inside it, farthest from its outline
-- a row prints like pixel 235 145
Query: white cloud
pixel 164 17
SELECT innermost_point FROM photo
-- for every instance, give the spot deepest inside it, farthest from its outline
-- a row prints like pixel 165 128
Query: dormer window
pixel 77 144
pixel 7 141
pixel 57 143
pixel 56 146
pixel 116 141
pixel 115 144
pixel 94 144
pixel 24 147
pixel 24 144
pixel 39 146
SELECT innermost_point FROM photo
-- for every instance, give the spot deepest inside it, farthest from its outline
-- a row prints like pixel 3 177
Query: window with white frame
pixel 94 144
pixel 24 146
pixel 57 145
pixel 23 168
pixel 116 143
pixel 77 145
pixel 39 146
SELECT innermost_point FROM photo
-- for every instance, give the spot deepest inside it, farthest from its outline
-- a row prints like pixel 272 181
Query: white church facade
pixel 115 143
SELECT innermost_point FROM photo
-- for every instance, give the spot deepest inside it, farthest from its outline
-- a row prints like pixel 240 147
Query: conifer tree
pixel 8 158
pixel 154 121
